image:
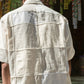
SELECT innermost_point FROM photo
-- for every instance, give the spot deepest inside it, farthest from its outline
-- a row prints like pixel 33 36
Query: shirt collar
pixel 33 2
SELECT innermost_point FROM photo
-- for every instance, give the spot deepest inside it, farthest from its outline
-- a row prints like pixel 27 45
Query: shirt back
pixel 38 44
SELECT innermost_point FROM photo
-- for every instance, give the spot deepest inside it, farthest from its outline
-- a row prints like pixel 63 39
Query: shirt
pixel 36 43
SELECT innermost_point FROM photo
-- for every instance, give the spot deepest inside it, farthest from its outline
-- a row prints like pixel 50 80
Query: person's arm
pixel 4 26
pixel 69 44
pixel 5 73
pixel 70 67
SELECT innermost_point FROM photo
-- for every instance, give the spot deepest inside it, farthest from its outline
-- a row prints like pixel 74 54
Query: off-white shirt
pixel 36 43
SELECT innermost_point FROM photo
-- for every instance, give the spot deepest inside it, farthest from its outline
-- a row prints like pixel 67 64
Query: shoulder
pixel 7 15
pixel 57 16
pixel 6 19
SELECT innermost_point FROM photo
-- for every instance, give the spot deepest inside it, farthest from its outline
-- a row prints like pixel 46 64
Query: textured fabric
pixel 36 42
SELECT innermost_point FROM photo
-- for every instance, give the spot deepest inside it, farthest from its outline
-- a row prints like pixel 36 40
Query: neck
pixel 23 1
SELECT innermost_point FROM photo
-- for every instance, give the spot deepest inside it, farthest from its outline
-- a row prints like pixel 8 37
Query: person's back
pixel 39 45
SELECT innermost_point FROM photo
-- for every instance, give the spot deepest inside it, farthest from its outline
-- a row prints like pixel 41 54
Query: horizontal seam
pixel 36 48
pixel 4 49
pixel 37 24
pixel 39 74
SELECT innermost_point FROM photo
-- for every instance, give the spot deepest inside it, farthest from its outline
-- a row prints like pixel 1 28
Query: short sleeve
pixel 69 43
pixel 3 42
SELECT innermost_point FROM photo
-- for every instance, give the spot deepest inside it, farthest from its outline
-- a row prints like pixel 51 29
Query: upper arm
pixel 3 42
pixel 69 43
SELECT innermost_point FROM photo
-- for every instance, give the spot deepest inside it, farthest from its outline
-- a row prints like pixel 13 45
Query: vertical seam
pixel 14 52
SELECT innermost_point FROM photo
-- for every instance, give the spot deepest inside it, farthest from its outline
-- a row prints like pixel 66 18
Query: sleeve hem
pixel 3 56
pixel 3 60
pixel 71 54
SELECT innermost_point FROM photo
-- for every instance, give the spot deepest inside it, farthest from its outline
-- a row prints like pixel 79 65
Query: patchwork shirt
pixel 36 43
